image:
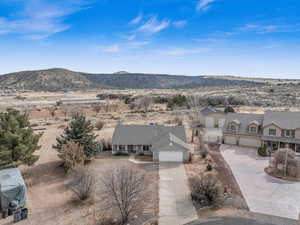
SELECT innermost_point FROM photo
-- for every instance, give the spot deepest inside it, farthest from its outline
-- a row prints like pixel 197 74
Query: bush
pixel 229 109
pixel 209 167
pixel 262 151
pixel 108 221
pixel 106 145
pixel 203 153
pixel 177 101
pixel 206 191
pixel 72 155
pixel 99 125
pixel 82 183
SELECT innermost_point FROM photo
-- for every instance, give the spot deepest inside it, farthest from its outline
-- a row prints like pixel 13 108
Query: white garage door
pixel 221 123
pixel 170 156
pixel 209 122
pixel 230 140
pixel 250 142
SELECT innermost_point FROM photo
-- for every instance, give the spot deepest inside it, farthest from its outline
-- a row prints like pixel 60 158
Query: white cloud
pixel 264 29
pixel 185 51
pixel 138 43
pixel 179 23
pixel 204 5
pixel 40 19
pixel 111 49
pixel 153 25
pixel 136 20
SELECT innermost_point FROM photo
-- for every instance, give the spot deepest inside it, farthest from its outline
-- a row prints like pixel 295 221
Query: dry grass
pixel 50 201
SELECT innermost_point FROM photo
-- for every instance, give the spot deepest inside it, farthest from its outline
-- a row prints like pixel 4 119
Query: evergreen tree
pixel 17 140
pixel 80 131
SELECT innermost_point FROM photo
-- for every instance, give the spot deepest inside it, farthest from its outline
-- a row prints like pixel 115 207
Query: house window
pixel 122 147
pixel 253 129
pixel 272 132
pixel 146 148
pixel 288 133
pixel 232 128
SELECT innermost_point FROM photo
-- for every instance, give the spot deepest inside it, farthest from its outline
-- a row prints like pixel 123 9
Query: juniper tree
pixel 17 140
pixel 80 131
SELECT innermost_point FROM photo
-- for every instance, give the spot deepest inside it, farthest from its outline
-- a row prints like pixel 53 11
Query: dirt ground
pixel 51 202
pixel 198 167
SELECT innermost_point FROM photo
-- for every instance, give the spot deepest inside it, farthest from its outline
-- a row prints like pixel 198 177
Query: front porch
pixel 132 149
pixel 275 145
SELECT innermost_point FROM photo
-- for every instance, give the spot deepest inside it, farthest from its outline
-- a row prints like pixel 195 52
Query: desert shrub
pixel 206 191
pixel 160 100
pixel 99 124
pixel 236 202
pixel 178 121
pixel 203 153
pixel 262 151
pixel 106 144
pixel 177 101
pixel 209 167
pixel 72 155
pixel 108 221
pixel 233 100
pixel 216 100
pixel 82 183
pixel 229 109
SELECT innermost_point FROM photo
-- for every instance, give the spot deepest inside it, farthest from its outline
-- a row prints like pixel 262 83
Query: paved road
pixel 175 204
pixel 263 193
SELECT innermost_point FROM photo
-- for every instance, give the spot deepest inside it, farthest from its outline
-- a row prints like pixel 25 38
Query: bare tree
pixel 82 183
pixel 145 102
pixel 72 155
pixel 97 108
pixel 195 117
pixel 124 190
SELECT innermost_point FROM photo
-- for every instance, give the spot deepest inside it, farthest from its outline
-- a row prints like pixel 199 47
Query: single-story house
pixel 212 118
pixel 164 143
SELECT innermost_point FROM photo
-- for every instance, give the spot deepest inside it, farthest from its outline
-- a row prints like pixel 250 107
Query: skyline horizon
pixel 155 73
pixel 251 37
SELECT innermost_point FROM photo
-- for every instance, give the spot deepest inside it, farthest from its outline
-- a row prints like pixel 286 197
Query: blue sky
pixel 259 38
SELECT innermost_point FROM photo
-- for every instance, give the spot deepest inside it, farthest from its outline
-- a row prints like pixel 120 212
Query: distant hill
pixel 62 80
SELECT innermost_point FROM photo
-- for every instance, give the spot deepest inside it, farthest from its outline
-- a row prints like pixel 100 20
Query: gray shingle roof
pixel 148 134
pixel 244 119
pixel 284 119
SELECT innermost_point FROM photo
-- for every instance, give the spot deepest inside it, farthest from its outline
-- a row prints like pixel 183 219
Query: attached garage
pixel 209 122
pixel 170 156
pixel 249 142
pixel 230 140
pixel 221 123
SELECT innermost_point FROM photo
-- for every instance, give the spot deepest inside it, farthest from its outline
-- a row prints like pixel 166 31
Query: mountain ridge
pixel 60 79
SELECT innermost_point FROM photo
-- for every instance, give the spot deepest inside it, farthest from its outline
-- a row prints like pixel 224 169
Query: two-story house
pixel 275 129
pixel 243 129
pixel 282 130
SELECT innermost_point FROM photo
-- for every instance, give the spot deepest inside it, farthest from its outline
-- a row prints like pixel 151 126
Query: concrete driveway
pixel 263 193
pixel 175 204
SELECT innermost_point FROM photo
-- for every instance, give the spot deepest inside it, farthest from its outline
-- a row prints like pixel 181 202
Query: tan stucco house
pixel 212 118
pixel 274 129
